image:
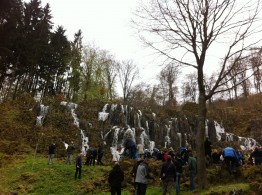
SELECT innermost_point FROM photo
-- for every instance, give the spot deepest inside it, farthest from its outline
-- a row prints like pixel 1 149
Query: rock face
pixel 151 130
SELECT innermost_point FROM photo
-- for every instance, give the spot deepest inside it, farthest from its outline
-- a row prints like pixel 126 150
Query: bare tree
pixel 127 73
pixel 245 83
pixel 142 95
pixel 256 63
pixel 209 82
pixel 189 87
pixel 188 31
pixel 109 65
pixel 168 77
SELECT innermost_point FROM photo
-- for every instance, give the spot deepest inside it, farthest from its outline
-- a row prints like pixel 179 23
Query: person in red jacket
pixel 165 155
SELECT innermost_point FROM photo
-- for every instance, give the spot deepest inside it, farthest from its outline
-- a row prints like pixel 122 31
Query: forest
pixel 38 58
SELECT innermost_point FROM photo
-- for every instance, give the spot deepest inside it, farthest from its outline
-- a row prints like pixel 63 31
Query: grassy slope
pixel 32 175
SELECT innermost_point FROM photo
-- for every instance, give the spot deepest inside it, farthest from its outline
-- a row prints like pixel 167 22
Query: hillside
pixel 23 144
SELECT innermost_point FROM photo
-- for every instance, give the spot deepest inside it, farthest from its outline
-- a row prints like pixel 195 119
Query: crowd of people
pixel 170 172
pixel 172 168
pixel 93 156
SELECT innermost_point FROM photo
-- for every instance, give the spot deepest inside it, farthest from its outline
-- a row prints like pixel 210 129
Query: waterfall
pixel 115 138
pixel 130 134
pixel 139 118
pixel 167 138
pixel 102 116
pixel 113 107
pixel 180 129
pixel 43 111
pixel 147 128
pixel 179 135
pixel 219 130
pixel 73 107
pixel 152 145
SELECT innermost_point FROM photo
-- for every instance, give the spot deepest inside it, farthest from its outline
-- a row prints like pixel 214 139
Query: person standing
pixel 94 156
pixel 179 169
pixel 134 170
pixel 192 165
pixel 165 155
pixel 100 154
pixel 208 151
pixel 115 178
pixel 78 166
pixel 89 156
pixel 257 156
pixel 140 150
pixel 51 153
pixel 216 157
pixel 70 149
pixel 142 177
pixel 168 176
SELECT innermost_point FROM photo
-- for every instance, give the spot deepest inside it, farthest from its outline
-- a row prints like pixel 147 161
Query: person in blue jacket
pixel 230 158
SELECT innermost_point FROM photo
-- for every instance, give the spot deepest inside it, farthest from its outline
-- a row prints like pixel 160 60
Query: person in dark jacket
pixel 94 156
pixel 257 155
pixel 89 156
pixel 100 154
pixel 115 178
pixel 179 169
pixel 208 151
pixel 168 175
pixel 78 166
pixel 51 153
pixel 216 157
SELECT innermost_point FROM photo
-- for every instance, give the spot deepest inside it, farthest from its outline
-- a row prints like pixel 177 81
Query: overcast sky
pixel 107 24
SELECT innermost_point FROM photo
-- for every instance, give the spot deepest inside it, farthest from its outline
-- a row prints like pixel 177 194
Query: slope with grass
pixel 30 174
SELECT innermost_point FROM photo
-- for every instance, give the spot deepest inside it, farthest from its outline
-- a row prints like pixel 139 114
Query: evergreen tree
pixel 76 59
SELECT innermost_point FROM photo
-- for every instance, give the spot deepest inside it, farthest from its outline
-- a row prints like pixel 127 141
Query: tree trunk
pixel 201 160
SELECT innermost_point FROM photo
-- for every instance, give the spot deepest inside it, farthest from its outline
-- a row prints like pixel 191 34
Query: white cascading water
pixel 245 143
pixel 179 135
pixel 102 116
pixel 129 133
pixel 73 107
pixel 219 130
pixel 167 138
pixel 40 118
